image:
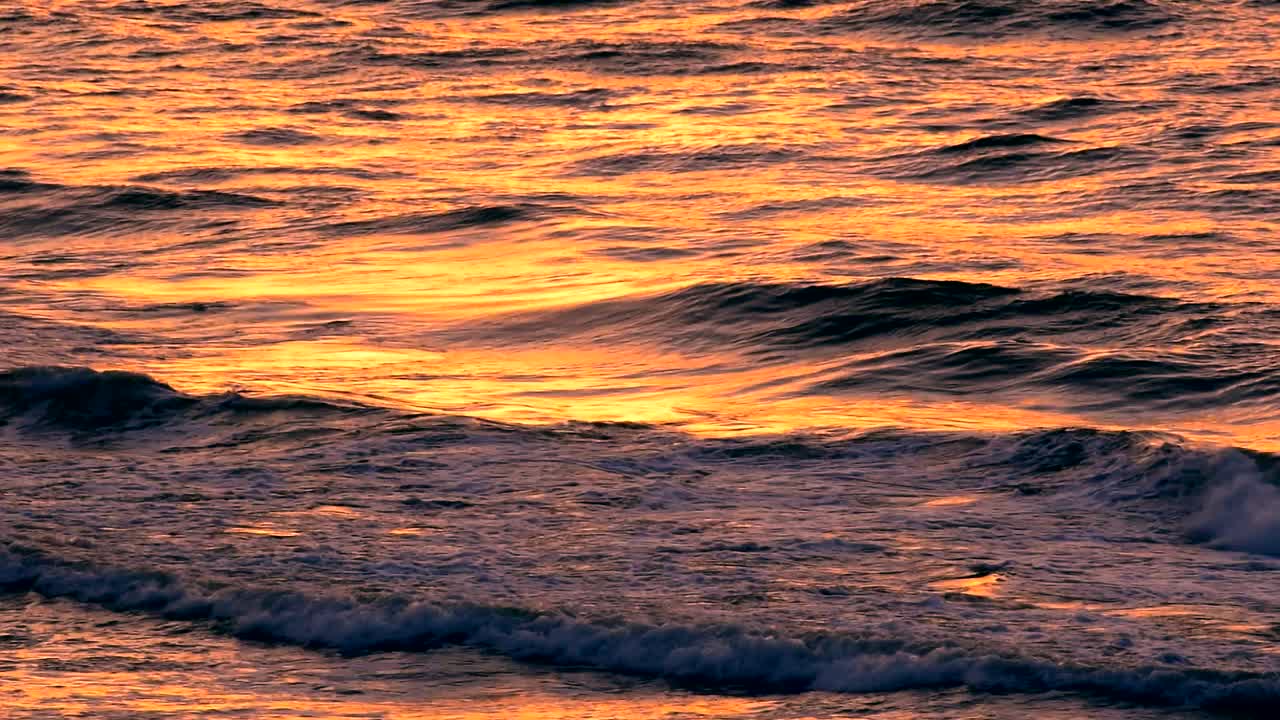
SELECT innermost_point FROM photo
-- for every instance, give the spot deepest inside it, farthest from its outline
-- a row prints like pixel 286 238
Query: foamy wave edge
pixel 725 658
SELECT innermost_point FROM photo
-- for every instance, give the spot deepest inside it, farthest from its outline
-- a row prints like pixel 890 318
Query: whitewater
pixel 612 359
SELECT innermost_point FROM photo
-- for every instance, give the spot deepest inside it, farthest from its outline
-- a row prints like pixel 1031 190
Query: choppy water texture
pixel 640 359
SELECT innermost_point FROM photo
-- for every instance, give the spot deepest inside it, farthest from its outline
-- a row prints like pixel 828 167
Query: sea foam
pixel 716 657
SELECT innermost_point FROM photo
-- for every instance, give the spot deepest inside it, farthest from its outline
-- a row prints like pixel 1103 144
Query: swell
pixel 485 8
pixel 449 220
pixel 1011 159
pixel 212 12
pixel 1154 380
pixel 971 19
pixel 85 400
pixel 815 315
pixel 948 337
pixel 1223 498
pixel 723 157
pixel 30 208
pixel 602 56
pixel 1078 107
pixel 1108 349
pixel 710 657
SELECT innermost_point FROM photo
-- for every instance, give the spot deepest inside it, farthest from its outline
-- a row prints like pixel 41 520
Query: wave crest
pixel 722 657
pixel 768 317
pixel 83 399
pixel 1241 513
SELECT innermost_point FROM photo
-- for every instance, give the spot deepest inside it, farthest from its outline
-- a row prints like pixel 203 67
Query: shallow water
pixel 867 358
pixel 63 661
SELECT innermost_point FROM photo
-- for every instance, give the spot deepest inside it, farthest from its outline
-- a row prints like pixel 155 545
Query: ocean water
pixel 666 359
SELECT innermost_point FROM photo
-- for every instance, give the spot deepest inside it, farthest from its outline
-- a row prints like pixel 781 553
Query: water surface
pixel 871 358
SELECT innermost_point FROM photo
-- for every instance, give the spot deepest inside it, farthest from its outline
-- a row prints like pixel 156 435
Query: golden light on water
pixel 108 670
pixel 446 136
pixel 753 234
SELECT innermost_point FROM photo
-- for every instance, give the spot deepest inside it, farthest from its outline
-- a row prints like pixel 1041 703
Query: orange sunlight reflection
pixel 379 242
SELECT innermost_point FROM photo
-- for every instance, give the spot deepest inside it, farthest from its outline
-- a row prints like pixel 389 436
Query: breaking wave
pixel 1223 498
pixel 724 657
pixel 1242 512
